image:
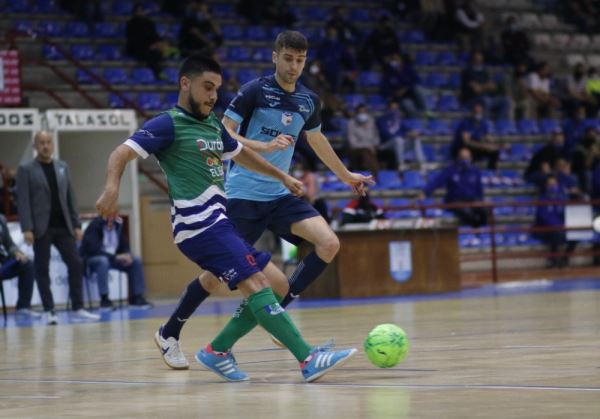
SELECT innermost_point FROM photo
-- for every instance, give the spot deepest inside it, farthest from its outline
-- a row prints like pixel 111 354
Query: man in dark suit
pixel 106 247
pixel 14 263
pixel 48 216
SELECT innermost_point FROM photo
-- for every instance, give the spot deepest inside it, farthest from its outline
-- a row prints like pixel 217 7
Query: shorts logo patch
pixel 229 275
pixel 251 260
pixel 287 118
pixel 274 309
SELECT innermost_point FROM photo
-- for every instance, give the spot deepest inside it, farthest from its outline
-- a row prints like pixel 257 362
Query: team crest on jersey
pixel 287 118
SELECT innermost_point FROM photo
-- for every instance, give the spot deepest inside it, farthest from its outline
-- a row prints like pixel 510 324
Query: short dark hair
pixel 197 64
pixel 292 40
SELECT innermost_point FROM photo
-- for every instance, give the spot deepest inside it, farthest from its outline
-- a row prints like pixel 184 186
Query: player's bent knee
pixel 253 284
pixel 209 282
pixel 328 247
pixel 277 279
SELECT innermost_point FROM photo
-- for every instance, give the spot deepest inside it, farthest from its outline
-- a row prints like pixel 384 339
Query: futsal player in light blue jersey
pixel 267 115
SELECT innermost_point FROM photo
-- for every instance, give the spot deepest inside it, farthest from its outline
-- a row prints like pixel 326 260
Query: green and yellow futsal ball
pixel 386 345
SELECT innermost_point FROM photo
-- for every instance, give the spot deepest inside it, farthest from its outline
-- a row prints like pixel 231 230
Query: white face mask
pixel 362 117
pixel 297 173
pixel 314 69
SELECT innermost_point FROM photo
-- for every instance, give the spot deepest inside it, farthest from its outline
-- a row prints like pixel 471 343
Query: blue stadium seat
pixel 413 180
pixel 114 101
pixel 149 101
pixel 223 10
pixel 388 179
pixel 107 52
pixel 52 53
pixel 353 100
pixel 20 6
pixel 83 77
pixel 257 33
pixel 170 100
pixel 528 127
pixel 233 32
pixel 413 36
pixel 448 103
pixel 50 28
pixel 548 125
pixel 77 30
pixel 414 124
pixel 24 26
pixel 122 7
pixel 47 6
pixel 431 101
pixel 435 80
pixel 316 14
pixel 239 54
pixel 262 54
pixel 520 152
pixel 447 58
pixel 243 76
pixel 443 154
pixel 109 30
pixel 506 127
pixel 142 75
pixel 83 52
pixel 402 213
pixel 424 58
pixel 439 127
pixel 369 79
pixel 116 76
pixel 376 102
pixel 172 75
pixel 429 152
pixel 454 81
pixel 359 14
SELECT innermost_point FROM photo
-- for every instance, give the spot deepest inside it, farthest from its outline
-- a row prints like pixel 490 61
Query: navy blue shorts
pixel 221 251
pixel 252 218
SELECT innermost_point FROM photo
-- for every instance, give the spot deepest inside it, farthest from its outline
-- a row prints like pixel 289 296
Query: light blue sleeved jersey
pixel 264 110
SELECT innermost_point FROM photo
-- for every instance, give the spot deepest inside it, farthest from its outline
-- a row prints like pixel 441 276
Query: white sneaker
pixel 170 351
pixel 52 319
pixel 27 312
pixel 86 315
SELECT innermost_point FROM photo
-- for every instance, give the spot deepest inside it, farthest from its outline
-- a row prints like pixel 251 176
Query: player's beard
pixel 195 108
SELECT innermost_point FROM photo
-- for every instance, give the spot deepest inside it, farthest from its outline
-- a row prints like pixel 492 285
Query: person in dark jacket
pixel 463 184
pixel 106 247
pixel 553 216
pixel 13 263
pixel 199 31
pixel 544 160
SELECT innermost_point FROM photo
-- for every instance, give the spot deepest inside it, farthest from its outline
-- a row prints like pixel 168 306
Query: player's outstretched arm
pixel 107 205
pixel 320 144
pixel 251 160
pixel 280 142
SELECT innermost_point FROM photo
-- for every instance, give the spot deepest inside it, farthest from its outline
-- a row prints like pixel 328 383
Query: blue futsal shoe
pixel 321 361
pixel 221 363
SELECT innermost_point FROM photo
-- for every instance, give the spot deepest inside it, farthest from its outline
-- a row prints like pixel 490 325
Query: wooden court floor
pixel 535 355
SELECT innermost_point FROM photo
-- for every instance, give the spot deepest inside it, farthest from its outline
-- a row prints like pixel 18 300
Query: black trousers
pixel 67 247
pixel 11 268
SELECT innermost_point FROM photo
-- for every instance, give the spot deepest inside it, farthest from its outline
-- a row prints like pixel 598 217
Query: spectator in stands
pixel 520 90
pixel 380 43
pixel 8 191
pixel 474 134
pixel 470 23
pixel 401 83
pixel 175 7
pixel 585 157
pixel 89 11
pixel 396 141
pixel 462 181
pixel 347 32
pixel 335 61
pixel 478 86
pixel 363 140
pixel 331 104
pixel 582 13
pixel 199 31
pixel 301 171
pixel 106 247
pixel 143 42
pixel 567 182
pixel 545 159
pixel 362 210
pixel 541 101
pixel 433 19
pixel 13 263
pixel 574 129
pixel 577 94
pixel 593 85
pixel 276 12
pixel 553 215
pixel 515 43
pixel 48 216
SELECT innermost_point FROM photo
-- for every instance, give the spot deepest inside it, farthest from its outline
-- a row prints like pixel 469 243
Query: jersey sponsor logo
pixel 213 161
pixel 302 108
pixel 206 145
pixel 272 97
pixel 273 132
pixel 272 105
pixel 145 132
pixel 287 118
pixel 228 275
pixel 274 309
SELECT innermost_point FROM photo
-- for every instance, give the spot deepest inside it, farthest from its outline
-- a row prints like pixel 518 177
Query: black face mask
pixel 588 141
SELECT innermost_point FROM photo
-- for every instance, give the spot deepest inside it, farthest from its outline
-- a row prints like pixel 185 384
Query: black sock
pixel 307 271
pixel 192 297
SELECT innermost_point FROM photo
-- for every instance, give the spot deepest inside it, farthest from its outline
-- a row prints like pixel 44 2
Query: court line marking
pixel 349 385
pixel 29 397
